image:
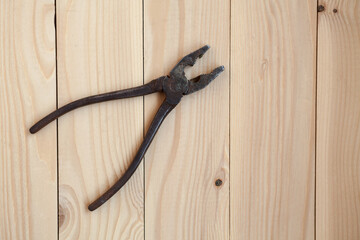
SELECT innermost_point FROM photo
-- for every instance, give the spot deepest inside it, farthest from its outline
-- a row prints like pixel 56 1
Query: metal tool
pixel 175 86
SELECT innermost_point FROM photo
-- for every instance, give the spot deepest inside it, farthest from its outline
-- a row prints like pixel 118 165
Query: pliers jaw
pixel 189 60
pixel 203 80
pixel 179 80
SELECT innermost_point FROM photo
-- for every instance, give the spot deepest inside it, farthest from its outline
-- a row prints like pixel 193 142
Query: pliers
pixel 175 86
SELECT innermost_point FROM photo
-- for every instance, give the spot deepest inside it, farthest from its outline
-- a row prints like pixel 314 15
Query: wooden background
pixel 280 127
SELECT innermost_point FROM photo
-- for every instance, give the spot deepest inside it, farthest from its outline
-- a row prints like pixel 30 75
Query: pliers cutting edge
pixel 175 86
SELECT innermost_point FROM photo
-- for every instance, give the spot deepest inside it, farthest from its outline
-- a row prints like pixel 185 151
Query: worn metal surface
pixel 175 86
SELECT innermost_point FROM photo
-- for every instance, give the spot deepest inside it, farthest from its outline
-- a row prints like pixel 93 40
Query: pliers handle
pixel 161 114
pixel 151 87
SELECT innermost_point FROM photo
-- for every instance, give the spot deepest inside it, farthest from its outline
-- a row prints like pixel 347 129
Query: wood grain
pixel 280 127
pixel 99 50
pixel 338 122
pixel 191 149
pixel 272 108
pixel 28 176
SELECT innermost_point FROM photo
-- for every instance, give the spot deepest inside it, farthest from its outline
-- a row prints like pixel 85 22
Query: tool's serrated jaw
pixel 202 81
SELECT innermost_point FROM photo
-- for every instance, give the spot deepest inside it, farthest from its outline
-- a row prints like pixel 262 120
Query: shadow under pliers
pixel 175 86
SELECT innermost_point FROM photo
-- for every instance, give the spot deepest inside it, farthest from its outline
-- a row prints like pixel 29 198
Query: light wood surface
pixel 280 127
pixel 191 150
pixel 272 110
pixel 99 50
pixel 28 172
pixel 338 122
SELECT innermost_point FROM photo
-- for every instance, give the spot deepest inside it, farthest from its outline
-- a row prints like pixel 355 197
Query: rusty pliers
pixel 175 86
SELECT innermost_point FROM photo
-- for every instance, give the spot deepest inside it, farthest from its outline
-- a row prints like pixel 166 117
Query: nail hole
pixel 321 8
pixel 218 182
pixel 334 10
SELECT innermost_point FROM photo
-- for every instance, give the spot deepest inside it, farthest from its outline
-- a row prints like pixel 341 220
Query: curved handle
pixel 151 87
pixel 163 111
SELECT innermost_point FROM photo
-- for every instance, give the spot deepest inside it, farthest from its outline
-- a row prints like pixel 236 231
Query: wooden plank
pixel 338 122
pixel 99 50
pixel 191 149
pixel 272 108
pixel 28 182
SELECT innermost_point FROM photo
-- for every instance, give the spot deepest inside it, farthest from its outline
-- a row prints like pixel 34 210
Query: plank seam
pixel 315 134
pixel 230 119
pixel 57 123
pixel 143 97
